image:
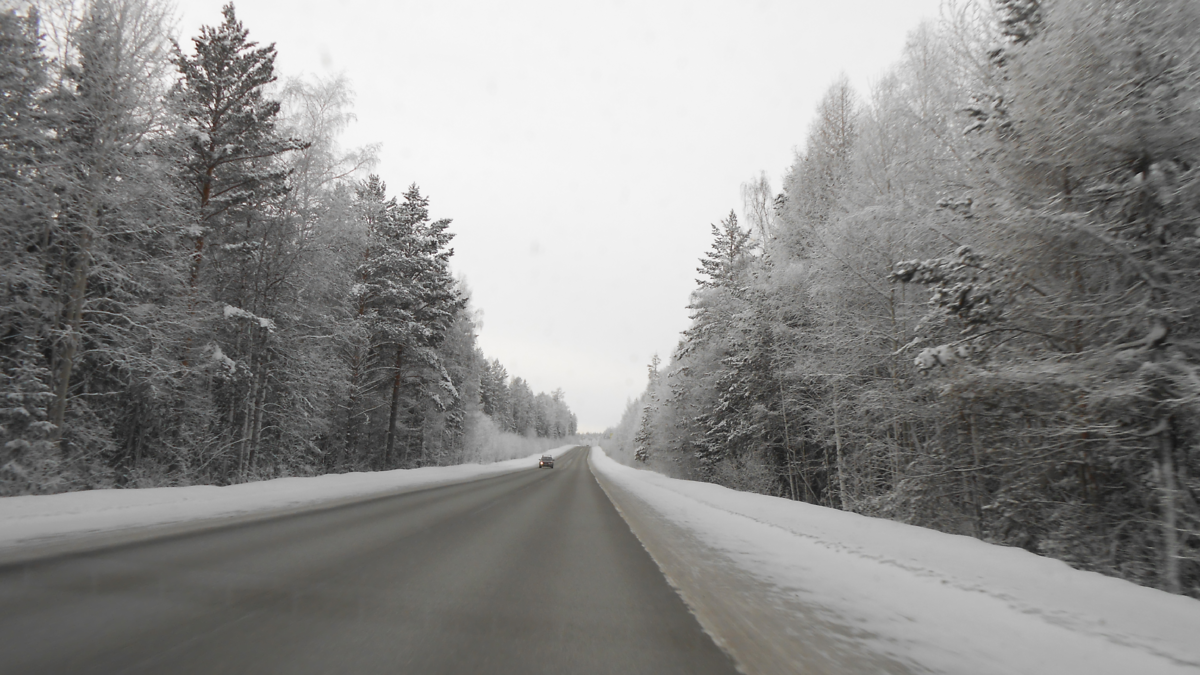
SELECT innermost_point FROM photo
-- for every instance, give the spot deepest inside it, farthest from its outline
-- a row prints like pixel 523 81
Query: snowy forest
pixel 199 285
pixel 972 306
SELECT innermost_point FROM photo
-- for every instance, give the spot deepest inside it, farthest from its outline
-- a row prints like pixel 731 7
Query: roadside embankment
pixel 39 525
pixel 786 586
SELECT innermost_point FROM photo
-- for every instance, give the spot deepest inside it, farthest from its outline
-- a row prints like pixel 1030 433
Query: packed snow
pixel 919 599
pixel 232 312
pixel 28 523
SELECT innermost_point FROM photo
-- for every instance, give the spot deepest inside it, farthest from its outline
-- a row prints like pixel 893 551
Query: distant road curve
pixel 526 572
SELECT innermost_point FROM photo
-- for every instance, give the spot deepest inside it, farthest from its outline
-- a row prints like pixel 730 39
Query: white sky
pixel 581 148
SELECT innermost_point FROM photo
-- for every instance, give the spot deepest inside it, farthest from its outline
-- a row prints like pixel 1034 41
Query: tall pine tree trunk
pixel 976 479
pixel 351 410
pixel 416 422
pixel 357 357
pixel 197 257
pixel 841 460
pixel 787 441
pixel 390 445
pixel 1170 574
pixel 247 417
pixel 257 407
pixel 75 292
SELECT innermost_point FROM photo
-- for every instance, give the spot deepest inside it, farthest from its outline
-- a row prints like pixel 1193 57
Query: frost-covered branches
pixel 189 294
pixel 992 333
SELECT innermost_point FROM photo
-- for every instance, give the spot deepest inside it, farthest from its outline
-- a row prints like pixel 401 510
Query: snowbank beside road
pixel 782 584
pixel 34 524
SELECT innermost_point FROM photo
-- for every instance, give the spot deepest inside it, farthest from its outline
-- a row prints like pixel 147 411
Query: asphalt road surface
pixel 527 572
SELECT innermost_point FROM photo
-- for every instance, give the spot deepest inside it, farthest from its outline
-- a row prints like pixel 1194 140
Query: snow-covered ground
pixel 32 524
pixel 781 584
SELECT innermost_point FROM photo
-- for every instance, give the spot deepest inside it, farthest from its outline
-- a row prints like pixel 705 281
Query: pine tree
pixel 228 127
pixel 246 243
pixel 494 392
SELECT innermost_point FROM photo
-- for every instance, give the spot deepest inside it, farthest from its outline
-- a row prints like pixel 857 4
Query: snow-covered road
pixel 785 585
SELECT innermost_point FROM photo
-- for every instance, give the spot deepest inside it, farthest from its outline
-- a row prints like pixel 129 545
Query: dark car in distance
pixel 546 461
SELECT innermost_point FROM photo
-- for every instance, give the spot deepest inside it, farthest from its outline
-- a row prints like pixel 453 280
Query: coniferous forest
pixel 198 285
pixel 973 306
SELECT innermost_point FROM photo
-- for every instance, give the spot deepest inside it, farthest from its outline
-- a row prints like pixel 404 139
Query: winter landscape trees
pixel 199 285
pixel 970 305
pixel 973 305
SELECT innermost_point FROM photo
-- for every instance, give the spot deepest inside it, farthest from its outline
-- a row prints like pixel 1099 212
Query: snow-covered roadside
pixel 34 525
pixel 783 584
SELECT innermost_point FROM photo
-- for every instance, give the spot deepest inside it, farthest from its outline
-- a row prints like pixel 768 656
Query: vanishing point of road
pixel 526 572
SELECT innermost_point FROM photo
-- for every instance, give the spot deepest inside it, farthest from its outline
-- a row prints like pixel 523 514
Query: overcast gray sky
pixel 582 148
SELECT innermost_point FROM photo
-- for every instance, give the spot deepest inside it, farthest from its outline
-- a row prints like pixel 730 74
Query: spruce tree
pixel 26 200
pixel 728 255
pixel 645 434
pixel 494 392
pixel 721 288
pixel 405 293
